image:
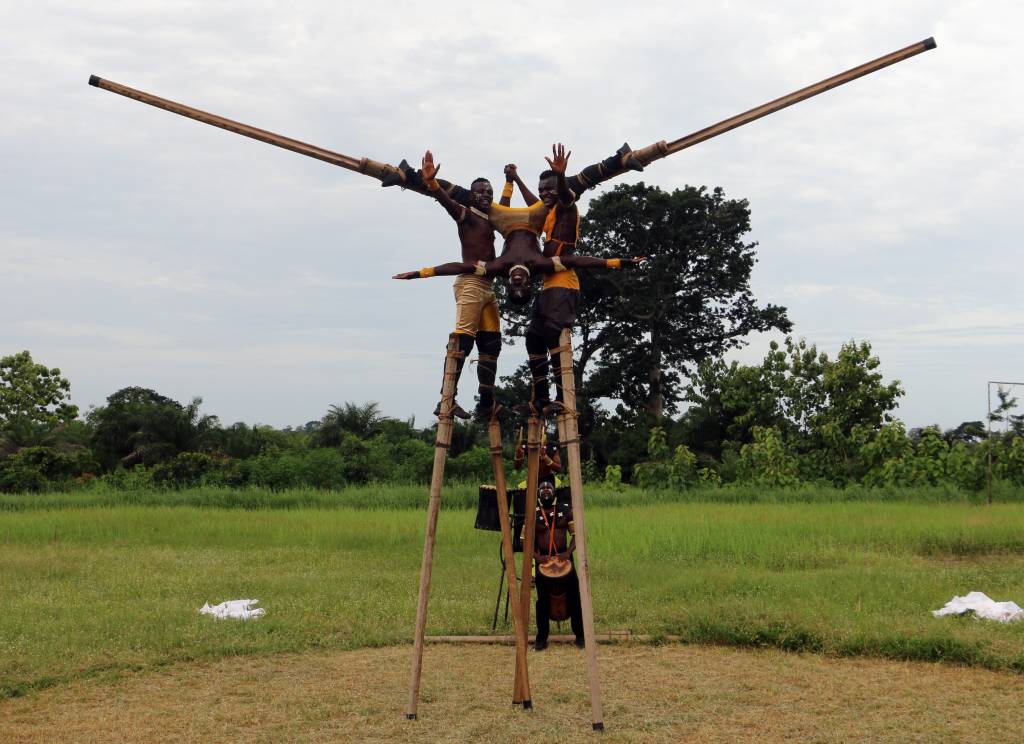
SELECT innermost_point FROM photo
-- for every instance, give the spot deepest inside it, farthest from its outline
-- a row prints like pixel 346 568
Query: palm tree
pixel 362 420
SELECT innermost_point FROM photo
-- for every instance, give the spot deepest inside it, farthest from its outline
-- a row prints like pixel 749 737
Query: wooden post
pixel 570 441
pixel 529 529
pixel 444 440
pixel 521 687
pixel 988 444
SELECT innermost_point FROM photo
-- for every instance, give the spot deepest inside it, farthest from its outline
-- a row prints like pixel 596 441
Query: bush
pixel 473 465
pixel 186 470
pixel 44 468
pixel 319 468
pixel 766 462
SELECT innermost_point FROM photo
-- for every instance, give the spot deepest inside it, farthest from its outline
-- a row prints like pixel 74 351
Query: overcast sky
pixel 141 248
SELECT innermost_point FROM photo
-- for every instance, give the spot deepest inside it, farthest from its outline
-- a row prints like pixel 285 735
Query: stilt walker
pixel 569 440
pixel 521 686
pixel 533 428
pixel 441 445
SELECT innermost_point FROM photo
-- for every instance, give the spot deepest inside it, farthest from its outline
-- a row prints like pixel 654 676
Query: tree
pixel 33 402
pixel 1002 414
pixel 731 400
pixel 362 420
pixel 968 432
pixel 691 303
pixel 822 409
pixel 138 426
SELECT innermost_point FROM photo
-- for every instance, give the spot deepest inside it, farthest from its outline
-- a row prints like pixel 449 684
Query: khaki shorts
pixel 476 308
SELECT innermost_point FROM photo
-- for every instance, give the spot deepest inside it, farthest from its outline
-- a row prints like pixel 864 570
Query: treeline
pixel 798 418
pixel 142 439
pixel 801 417
pixel 652 342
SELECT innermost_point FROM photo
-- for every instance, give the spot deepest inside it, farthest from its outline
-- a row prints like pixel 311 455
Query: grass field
pixel 94 591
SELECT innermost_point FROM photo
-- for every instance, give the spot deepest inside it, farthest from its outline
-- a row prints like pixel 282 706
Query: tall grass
pixel 464 496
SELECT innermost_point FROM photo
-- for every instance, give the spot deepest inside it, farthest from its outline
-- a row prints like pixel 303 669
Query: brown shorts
pixel 476 308
pixel 554 309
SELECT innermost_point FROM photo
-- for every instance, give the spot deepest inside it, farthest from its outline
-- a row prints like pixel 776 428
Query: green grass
pixel 91 589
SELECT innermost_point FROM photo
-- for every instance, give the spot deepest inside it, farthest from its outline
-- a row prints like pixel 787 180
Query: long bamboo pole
pixel 365 166
pixel 661 149
pixel 643 156
pixel 529 531
pixel 521 689
pixel 441 444
pixel 570 441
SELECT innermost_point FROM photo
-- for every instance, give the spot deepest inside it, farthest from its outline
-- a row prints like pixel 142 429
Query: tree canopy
pixel 34 401
pixel 140 426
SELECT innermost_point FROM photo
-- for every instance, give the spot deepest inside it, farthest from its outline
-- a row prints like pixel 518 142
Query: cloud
pixel 885 209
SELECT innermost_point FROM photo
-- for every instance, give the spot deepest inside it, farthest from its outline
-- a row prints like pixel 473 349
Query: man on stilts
pixel 476 309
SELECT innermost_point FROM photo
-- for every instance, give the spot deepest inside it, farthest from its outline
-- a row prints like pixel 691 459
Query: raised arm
pixel 506 193
pixel 512 176
pixel 558 164
pixel 429 172
pixel 621 161
pixel 407 177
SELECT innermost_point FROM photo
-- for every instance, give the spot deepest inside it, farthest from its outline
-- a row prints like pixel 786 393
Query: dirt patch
pixel 651 694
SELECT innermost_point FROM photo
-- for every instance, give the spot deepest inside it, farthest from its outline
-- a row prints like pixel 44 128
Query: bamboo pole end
pixel 929 43
pixel 410 716
pixel 94 80
pixel 599 726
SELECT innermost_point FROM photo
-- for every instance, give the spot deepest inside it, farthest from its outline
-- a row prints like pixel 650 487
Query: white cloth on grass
pixel 982 606
pixel 235 609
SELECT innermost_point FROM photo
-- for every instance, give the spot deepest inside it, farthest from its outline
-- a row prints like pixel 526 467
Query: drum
pixel 517 501
pixel 558 575
pixel 487 516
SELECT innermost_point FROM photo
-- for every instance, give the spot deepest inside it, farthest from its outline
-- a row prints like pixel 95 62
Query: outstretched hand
pixel 640 261
pixel 561 158
pixel 510 173
pixel 407 275
pixel 427 167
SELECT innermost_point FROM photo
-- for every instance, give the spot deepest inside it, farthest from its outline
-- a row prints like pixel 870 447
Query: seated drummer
pixel 555 538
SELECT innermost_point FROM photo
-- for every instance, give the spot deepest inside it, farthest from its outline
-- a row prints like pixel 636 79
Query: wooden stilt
pixel 529 529
pixel 444 439
pixel 570 440
pixel 521 691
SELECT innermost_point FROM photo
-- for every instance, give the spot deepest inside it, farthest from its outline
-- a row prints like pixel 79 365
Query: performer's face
pixel 481 195
pixel 547 190
pixel 546 492
pixel 518 286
